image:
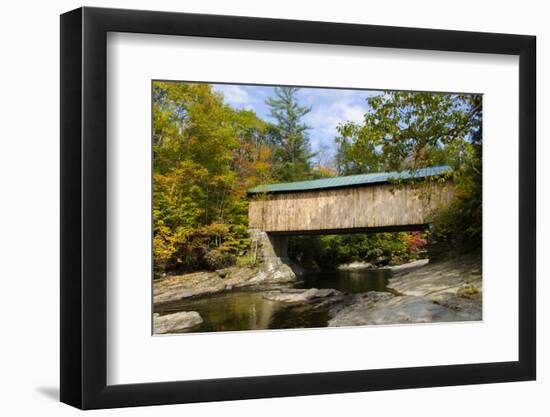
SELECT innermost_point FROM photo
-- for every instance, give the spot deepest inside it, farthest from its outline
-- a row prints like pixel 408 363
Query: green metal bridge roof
pixel 351 180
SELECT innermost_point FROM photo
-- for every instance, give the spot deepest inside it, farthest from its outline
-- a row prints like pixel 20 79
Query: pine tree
pixel 292 151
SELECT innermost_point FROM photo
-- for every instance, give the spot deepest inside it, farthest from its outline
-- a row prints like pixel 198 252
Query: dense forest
pixel 208 154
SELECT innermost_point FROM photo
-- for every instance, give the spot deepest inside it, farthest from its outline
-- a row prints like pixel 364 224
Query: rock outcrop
pixel 384 308
pixel 442 292
pixel 438 280
pixel 274 262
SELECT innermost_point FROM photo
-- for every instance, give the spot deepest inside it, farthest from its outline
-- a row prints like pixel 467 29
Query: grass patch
pixel 468 291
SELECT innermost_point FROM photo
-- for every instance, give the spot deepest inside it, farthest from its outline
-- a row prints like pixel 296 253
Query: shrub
pixel 217 259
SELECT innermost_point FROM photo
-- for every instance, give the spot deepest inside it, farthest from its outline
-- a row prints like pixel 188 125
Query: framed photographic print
pixel 257 208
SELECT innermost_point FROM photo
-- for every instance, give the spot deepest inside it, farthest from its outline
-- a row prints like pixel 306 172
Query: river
pixel 246 309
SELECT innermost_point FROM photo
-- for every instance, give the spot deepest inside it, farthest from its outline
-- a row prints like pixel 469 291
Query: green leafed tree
pixel 410 130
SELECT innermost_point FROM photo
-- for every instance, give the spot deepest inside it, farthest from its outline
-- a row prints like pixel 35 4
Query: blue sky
pixel 328 108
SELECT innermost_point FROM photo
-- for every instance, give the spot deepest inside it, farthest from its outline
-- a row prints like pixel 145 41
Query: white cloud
pixel 233 94
pixel 351 113
pixel 326 118
pixel 327 113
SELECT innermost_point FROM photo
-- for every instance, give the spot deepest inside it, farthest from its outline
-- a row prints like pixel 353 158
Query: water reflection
pixel 349 281
pixel 234 310
pixel 248 310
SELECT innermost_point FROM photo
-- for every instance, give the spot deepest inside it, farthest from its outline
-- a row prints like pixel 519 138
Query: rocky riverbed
pixel 417 292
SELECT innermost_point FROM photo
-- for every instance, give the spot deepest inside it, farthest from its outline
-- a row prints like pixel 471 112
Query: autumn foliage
pixel 206 155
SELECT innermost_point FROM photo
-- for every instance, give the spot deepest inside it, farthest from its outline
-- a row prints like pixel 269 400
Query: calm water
pixel 248 310
pixel 348 281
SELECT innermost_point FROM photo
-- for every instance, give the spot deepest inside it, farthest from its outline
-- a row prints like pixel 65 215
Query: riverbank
pixel 202 283
pixel 442 292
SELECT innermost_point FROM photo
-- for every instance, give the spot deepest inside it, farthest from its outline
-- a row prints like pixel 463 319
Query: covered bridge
pixel 385 201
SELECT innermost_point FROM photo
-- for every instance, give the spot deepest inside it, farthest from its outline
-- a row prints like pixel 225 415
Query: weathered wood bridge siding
pixel 360 207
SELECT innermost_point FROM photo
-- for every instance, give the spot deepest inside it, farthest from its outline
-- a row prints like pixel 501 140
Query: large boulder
pixel 176 322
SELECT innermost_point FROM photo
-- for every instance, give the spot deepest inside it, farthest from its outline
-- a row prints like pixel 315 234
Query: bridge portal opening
pixel 352 250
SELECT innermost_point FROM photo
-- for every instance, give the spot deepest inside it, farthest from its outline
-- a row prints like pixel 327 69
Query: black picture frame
pixel 84 207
